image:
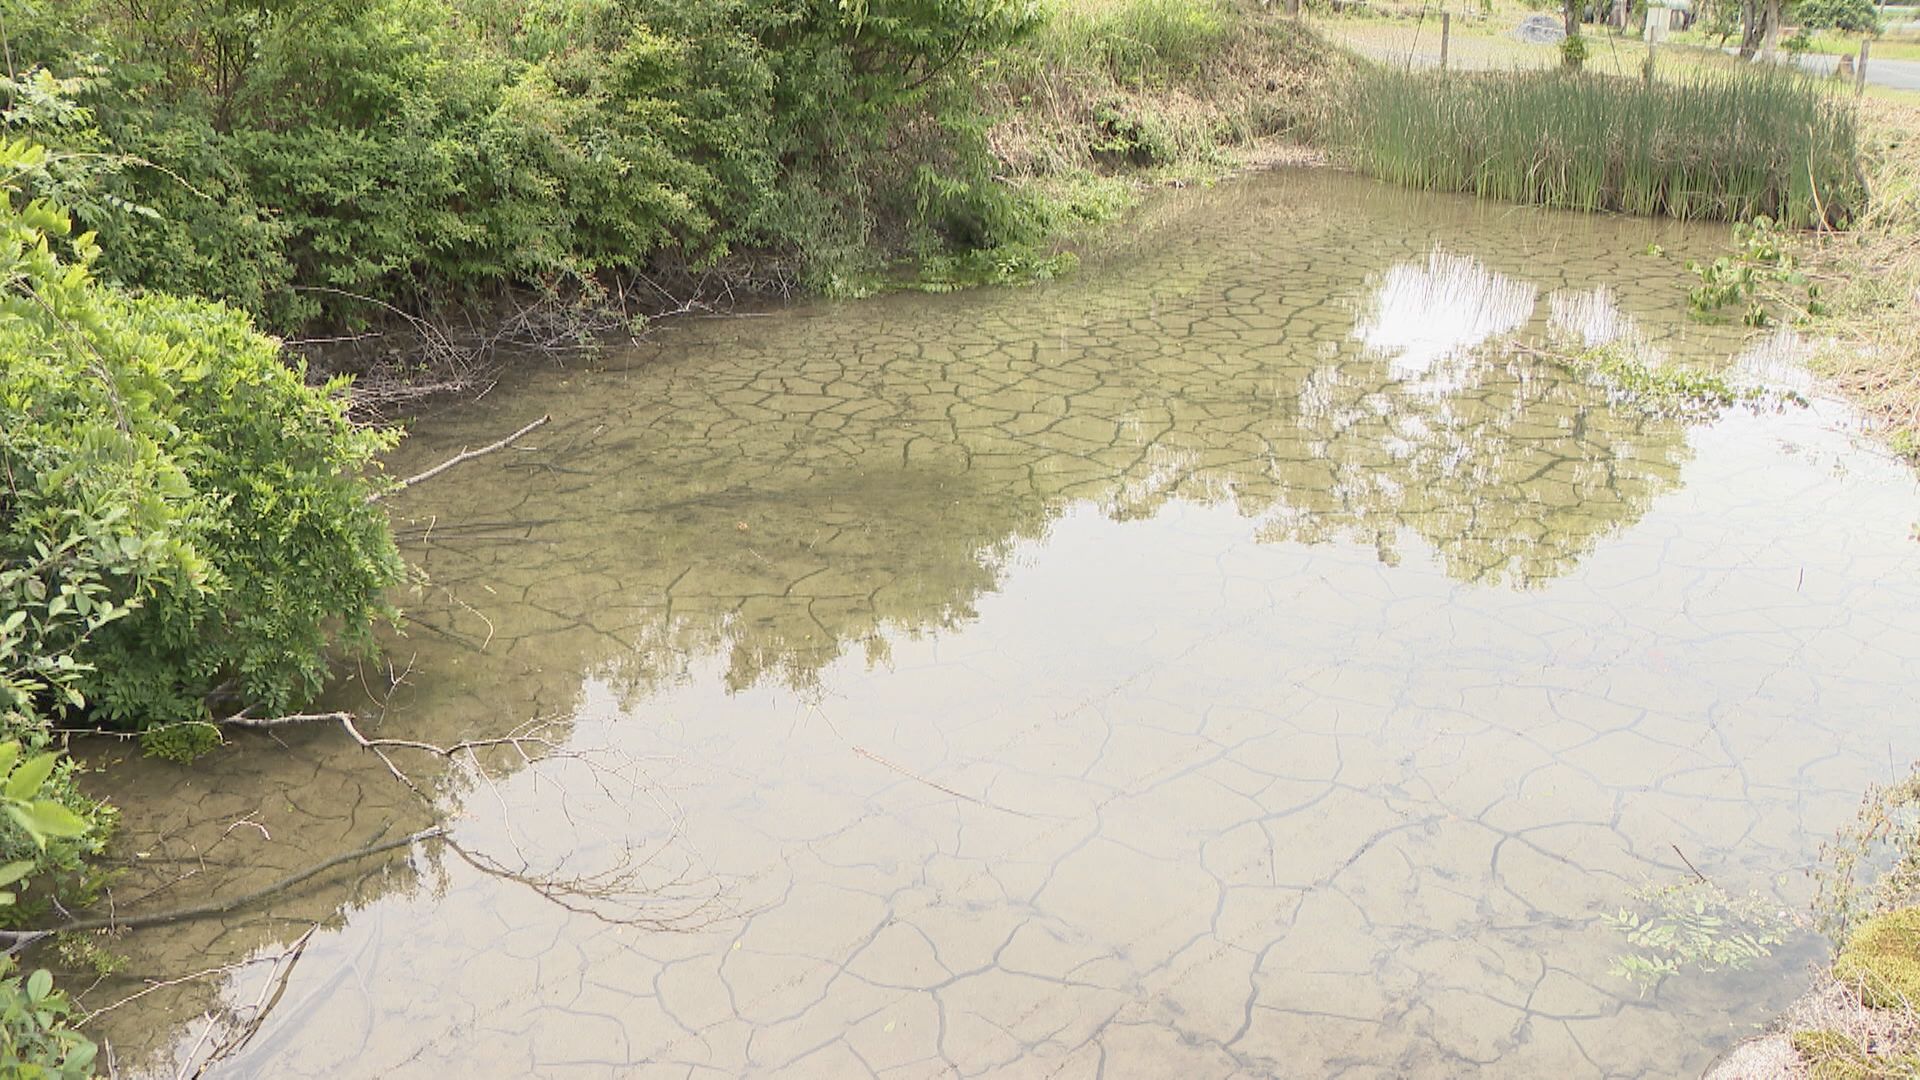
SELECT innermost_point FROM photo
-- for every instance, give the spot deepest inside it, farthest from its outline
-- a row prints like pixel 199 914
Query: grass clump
pixel 1139 42
pixel 1832 1054
pixel 1730 147
pixel 1180 88
pixel 1870 300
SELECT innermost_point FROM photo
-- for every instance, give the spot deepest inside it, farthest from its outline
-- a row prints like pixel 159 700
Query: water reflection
pixel 1590 317
pixel 1225 661
pixel 1423 317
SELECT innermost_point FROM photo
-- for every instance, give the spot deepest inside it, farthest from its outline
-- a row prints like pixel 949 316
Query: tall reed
pixel 1724 146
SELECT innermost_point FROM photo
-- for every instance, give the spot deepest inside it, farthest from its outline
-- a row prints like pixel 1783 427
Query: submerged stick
pixel 458 459
pixel 1689 862
pixel 20 939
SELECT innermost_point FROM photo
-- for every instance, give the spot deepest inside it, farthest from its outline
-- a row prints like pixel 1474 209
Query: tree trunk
pixel 1752 28
pixel 1770 45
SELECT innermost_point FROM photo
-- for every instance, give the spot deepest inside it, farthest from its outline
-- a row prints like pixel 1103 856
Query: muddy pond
pixel 1231 659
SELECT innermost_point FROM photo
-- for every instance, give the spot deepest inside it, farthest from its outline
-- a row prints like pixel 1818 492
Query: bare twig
pixel 19 939
pixel 163 984
pixel 1689 862
pixel 460 458
pixel 270 994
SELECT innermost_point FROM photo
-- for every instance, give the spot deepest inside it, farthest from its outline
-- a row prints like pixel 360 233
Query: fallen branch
pixel 224 969
pixel 262 723
pixel 1689 862
pixel 458 459
pixel 17 940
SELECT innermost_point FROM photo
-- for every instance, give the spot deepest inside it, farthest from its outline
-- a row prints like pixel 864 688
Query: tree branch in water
pixel 20 939
pixel 458 459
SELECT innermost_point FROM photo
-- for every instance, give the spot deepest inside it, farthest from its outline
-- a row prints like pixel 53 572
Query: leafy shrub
pixel 183 515
pixel 37 1042
pixel 421 152
pixel 1850 16
pixel 1872 865
pixel 1574 51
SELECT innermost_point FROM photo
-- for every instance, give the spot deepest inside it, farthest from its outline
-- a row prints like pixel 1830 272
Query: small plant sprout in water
pixel 1760 277
pixel 1694 925
pixel 1641 383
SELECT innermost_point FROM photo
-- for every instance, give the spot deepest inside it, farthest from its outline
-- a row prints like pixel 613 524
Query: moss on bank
pixel 1859 1020
pixel 1882 958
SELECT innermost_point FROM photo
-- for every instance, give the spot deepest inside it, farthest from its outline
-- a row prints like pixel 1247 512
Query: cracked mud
pixel 1227 661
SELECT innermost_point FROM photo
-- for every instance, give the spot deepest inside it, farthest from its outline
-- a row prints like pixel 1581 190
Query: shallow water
pixel 1225 661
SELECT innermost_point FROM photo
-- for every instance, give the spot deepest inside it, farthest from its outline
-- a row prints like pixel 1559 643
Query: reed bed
pixel 1716 146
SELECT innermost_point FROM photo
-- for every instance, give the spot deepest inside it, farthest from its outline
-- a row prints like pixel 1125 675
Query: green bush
pixel 1851 16
pixel 342 154
pixel 37 1041
pixel 181 515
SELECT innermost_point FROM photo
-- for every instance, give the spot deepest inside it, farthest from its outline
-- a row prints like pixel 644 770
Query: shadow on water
pixel 1227 660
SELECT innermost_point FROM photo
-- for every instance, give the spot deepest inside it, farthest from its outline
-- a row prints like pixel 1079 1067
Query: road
pixel 1476 49
pixel 1894 74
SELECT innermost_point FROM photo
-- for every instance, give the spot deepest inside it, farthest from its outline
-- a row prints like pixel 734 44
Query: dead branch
pixel 17 940
pixel 628 893
pixel 262 723
pixel 154 985
pixel 460 458
pixel 270 994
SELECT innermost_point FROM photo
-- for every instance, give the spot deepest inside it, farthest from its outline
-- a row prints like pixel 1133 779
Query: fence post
pixel 1446 30
pixel 1860 69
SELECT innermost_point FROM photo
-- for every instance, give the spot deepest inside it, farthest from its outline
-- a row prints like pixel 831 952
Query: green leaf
pixel 25 820
pixel 14 871
pixel 54 819
pixel 25 782
pixel 9 753
pixel 39 985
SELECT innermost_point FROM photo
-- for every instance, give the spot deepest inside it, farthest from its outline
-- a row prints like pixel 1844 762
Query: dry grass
pixel 1829 1034
pixel 1872 282
pixel 1249 86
